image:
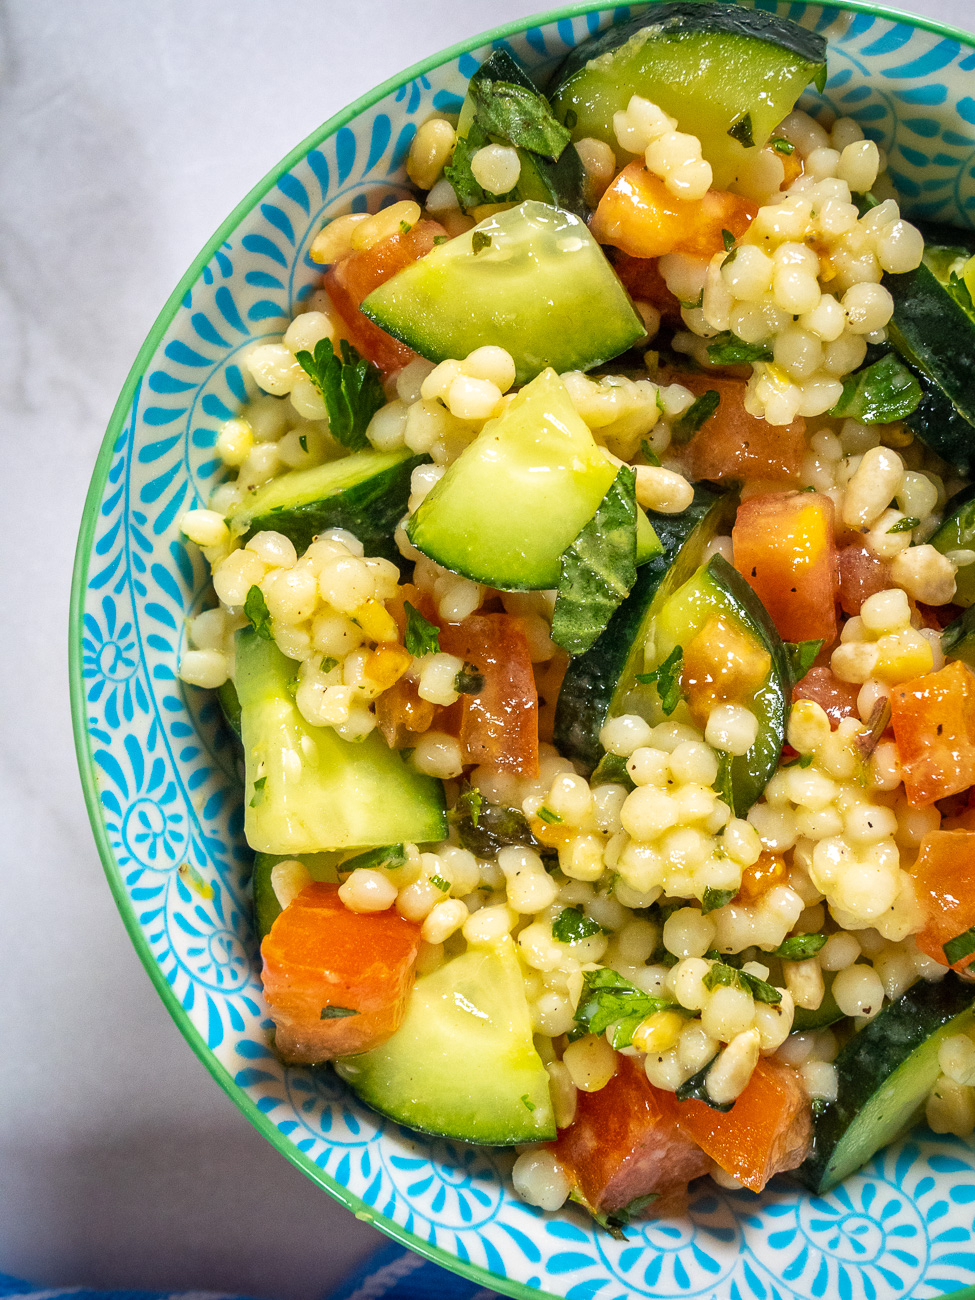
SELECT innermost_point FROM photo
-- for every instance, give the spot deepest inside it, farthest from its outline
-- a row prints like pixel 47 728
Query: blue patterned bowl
pixel 160 779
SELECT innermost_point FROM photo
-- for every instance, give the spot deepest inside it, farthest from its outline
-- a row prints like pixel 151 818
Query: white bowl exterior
pixel 168 812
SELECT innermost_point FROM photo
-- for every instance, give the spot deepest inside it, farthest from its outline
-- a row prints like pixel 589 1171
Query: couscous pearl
pixel 204 527
pixel 732 728
pixel 624 734
pixel 858 991
pixel 205 668
pixel 368 891
pixel 540 1180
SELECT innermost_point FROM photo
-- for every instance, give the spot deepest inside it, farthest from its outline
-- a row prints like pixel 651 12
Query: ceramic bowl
pixel 160 773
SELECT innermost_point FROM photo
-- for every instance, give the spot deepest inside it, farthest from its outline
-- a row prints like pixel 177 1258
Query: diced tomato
pixel 722 665
pixel 642 280
pixel 934 726
pixel 336 981
pixel 352 279
pixel 862 575
pixel 548 683
pixel 938 616
pixel 640 215
pixel 498 725
pixel 783 546
pixel 945 886
pixel 625 1143
pixel 766 1132
pixel 733 444
pixel 837 699
pixel 402 715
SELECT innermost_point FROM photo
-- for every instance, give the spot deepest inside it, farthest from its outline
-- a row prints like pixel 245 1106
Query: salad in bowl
pixel 591 554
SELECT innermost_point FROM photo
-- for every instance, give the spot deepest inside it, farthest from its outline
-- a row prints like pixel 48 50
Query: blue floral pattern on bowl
pixel 161 777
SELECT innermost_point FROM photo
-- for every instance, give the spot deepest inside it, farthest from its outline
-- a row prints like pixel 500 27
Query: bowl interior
pixel 160 774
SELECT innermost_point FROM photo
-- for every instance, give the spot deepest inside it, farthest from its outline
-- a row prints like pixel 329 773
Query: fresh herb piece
pixel 337 1013
pixel 611 769
pixel 742 131
pixel 421 638
pixel 608 998
pixel 519 115
pixel 802 656
pixel 257 798
pixel 879 394
pixel 877 723
pixel 469 804
pixel 695 1089
pixel 303 441
pixel 548 816
pixel 963 945
pixel 617 1220
pixel 458 170
pixel 724 785
pixel 440 239
pixel 730 259
pixel 905 525
pixel 328 663
pixel 715 898
pixel 469 681
pixel 701 409
pixel 667 679
pixel 800 760
pixel 526 1101
pixel 387 855
pixel 693 306
pixel 726 349
pixel 405 227
pixel 441 884
pixel 485 827
pixel 800 947
pixel 783 146
pixel 723 973
pixel 649 455
pixel 256 610
pixel 480 240
pixel 351 389
pixel 598 569
pixel 571 118
pixel 572 926
pixel 728 239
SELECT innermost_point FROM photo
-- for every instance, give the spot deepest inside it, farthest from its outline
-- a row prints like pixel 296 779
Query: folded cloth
pixel 397 1274
pixel 15 1288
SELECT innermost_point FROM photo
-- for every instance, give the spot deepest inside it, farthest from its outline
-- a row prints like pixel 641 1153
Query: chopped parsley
pixel 421 638
pixel 802 656
pixel 479 241
pixel 726 349
pixel 800 947
pixel 469 681
pixel 666 676
pixel 608 998
pixel 351 389
pixel 256 610
pixel 723 973
pixel 700 410
pixel 337 1013
pixel 328 663
pixel 783 146
pixel 649 455
pixel 387 855
pixel 519 115
pixel 728 239
pixel 441 884
pixel 880 393
pixel 905 525
pixel 572 926
pixel 258 796
pixel 526 1101
pixel 695 1089
pixel 469 804
pixel 548 816
pixel 742 131
pixel 715 898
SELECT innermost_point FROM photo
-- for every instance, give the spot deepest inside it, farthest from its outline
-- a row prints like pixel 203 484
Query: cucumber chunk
pixel 957 533
pixel 884 1074
pixel 365 493
pixel 462 1064
pixel 306 789
pixel 728 74
pixel 598 683
pixel 531 280
pixel 514 499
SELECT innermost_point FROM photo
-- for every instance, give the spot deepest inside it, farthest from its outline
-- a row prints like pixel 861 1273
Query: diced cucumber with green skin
pixel 267 908
pixel 306 789
pixel 229 705
pixel 717 588
pixel 514 499
pixel 884 1074
pixel 365 493
pixel 538 285
pixel 827 1013
pixel 598 682
pixel 958 638
pixel 462 1064
pixel 717 69
pixel 560 183
pixel 957 533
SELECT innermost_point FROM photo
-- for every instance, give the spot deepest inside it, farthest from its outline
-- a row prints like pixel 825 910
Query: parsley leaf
pixel 255 609
pixel 742 131
pixel 351 389
pixel 727 349
pixel 667 679
pixel 527 1102
pixel 802 656
pixel 421 638
pixel 469 804
pixel 799 947
pixel 257 798
pixel 328 663
pixel 521 116
pixel 480 240
pixel 905 525
pixel 608 997
pixel 728 239
pixel 485 827
pixel 685 426
pixel 387 855
pixel 441 884
pixel 458 170
pixel 649 455
pixel 337 1013
pixel 722 973
pixel 783 146
pixel 879 394
pixel 611 770
pixel 550 818
pixel 695 1089
pixel 572 926
pixel 961 946
pixel 715 898
pixel 469 681
pixel 598 568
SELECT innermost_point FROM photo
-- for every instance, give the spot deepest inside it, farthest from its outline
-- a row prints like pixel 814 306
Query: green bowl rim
pixel 79 583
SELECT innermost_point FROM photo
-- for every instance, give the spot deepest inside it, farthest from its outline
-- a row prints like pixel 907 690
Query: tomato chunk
pixel 625 1143
pixel 640 215
pixel 722 665
pixel 733 444
pixel 642 280
pixel 861 575
pixel 934 726
pixel 767 1130
pixel 837 699
pixel 945 886
pixel 322 961
pixel 498 725
pixel 352 279
pixel 783 546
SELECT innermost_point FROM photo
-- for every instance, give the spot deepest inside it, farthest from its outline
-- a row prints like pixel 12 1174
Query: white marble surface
pixel 127 132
